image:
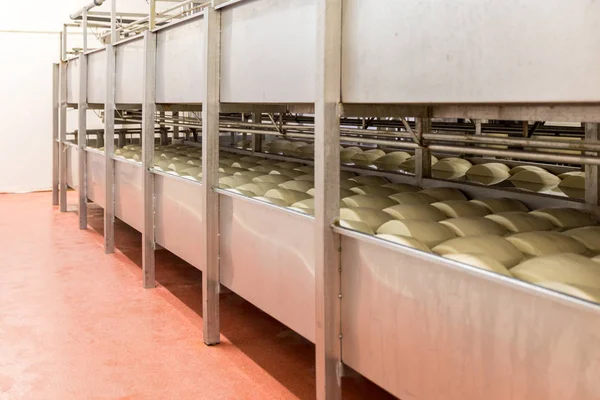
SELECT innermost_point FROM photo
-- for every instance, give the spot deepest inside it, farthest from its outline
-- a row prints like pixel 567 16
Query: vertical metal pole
pixel 175 115
pixel 84 24
pixel 525 127
pixel 109 151
pixel 64 43
pixel 147 137
pixel 82 141
pixel 113 22
pixel 478 127
pixel 55 130
pixel 152 16
pixel 592 177
pixel 164 134
pixel 257 140
pixel 122 136
pixel 62 135
pixel 422 153
pixel 210 178
pixel 327 200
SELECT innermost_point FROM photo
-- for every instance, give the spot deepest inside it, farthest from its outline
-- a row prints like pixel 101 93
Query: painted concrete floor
pixel 77 324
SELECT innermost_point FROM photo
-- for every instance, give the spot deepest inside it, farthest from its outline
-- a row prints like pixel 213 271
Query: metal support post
pixel 257 140
pixel 525 132
pixel 147 138
pixel 82 141
pixel 164 132
pixel 422 153
pixel 210 178
pixel 592 177
pixel 55 130
pixel 62 135
pixel 175 128
pixel 122 140
pixel 109 151
pixel 327 201
pixel 478 127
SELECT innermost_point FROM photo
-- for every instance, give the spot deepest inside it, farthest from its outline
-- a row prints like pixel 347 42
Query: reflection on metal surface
pixel 72 166
pixel 179 56
pixel 424 328
pixel 128 193
pixel 283 71
pixel 266 257
pixel 96 182
pixel 178 217
pixel 129 76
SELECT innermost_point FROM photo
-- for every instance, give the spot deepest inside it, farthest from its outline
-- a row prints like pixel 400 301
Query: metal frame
pixel 62 137
pixel 82 138
pixel 55 132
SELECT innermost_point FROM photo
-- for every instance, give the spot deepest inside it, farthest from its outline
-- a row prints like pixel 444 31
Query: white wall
pixel 26 86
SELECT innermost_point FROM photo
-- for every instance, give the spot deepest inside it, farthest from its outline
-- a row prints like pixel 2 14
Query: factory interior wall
pixel 30 43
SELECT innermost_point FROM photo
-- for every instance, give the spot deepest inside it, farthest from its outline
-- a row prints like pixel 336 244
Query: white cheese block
pixel 565 218
pixel 460 208
pixel 430 233
pixel 474 226
pixel 535 181
pixel 373 218
pixel 487 174
pixel 537 244
pixel 496 247
pixel 517 222
pixel 480 261
pixel 532 168
pixel 450 168
pixel 391 161
pixel 404 241
pixel 415 211
pixel 566 268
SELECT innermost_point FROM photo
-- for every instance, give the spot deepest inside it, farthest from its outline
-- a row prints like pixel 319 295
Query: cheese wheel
pixel 249 159
pixel 180 158
pixel 307 211
pixel 347 154
pixel 487 174
pixel 343 193
pixel 231 170
pixel 356 226
pixel 451 168
pixel 307 169
pixel 402 187
pixel 372 180
pixel 162 164
pixel 565 175
pixel 565 218
pixel 346 184
pixel 272 200
pixel 301 186
pixel 195 161
pixel 501 205
pixel 232 182
pixel 307 150
pixel 404 241
pixel 430 233
pixel 532 168
pixel 412 198
pixel 244 164
pixel 226 162
pixel 288 196
pixel 496 247
pixel 361 200
pixel 573 186
pixel 364 159
pixel 265 169
pixel 290 173
pixel 480 261
pixel 177 166
pixel 309 178
pixel 258 189
pixel 580 291
pixel 517 222
pixel 266 162
pixel 589 236
pixel 572 269
pixel 537 244
pixel 391 161
pixel 460 208
pixel 166 155
pixel 249 174
pixel 345 175
pixel 474 226
pixel 442 193
pixel 288 165
pixel 373 218
pixel 306 203
pixel 415 211
pixel 192 171
pixel 409 165
pixel 373 190
pixel 244 144
pixel 271 179
pixel 596 259
pixel 535 181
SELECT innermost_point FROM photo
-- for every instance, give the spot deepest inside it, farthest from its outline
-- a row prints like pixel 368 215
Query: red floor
pixel 77 324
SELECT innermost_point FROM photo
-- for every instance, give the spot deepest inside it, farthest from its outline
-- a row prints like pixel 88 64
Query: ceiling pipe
pixel 94 3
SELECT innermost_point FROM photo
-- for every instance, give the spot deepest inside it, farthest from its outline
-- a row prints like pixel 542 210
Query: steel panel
pixel 96 182
pixel 97 77
pixel 178 217
pixel 72 166
pixel 179 63
pixel 130 72
pixel 467 51
pixel 268 51
pixel 73 81
pixel 425 328
pixel 128 193
pixel 266 257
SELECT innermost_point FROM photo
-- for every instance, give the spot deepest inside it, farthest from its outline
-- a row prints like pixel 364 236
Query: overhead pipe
pixel 94 3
